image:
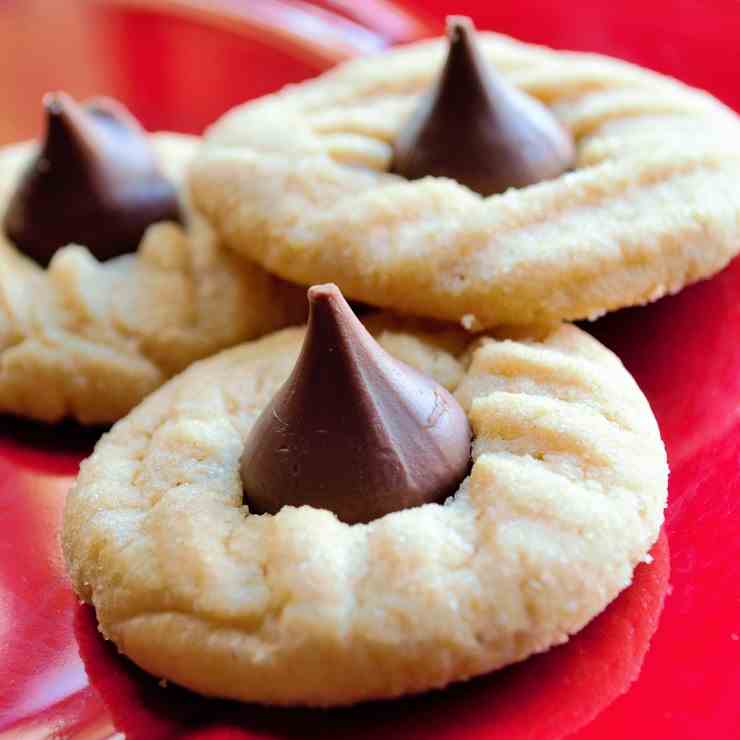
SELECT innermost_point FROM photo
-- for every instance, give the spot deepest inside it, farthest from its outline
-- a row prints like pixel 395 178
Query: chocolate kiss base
pixel 474 127
pixel 353 430
pixel 95 182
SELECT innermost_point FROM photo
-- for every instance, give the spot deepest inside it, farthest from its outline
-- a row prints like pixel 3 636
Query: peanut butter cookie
pixel 324 181
pixel 89 335
pixel 563 496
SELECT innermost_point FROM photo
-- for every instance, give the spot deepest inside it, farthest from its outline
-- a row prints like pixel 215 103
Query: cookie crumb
pixel 163 683
pixel 470 322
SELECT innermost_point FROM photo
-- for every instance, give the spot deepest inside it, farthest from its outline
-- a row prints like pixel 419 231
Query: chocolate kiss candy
pixel 476 128
pixel 353 430
pixel 95 182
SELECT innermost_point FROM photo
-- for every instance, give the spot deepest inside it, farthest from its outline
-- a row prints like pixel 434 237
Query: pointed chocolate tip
pixel 353 430
pixel 55 102
pixel 474 127
pixel 458 26
pixel 61 112
pixel 65 117
pixel 93 183
pixel 324 292
pixel 329 318
pixel 69 136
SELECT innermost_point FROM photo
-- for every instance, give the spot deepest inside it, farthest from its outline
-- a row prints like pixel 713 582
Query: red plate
pixel 662 661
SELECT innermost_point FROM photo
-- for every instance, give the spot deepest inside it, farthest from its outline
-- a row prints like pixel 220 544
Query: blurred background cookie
pixel 110 283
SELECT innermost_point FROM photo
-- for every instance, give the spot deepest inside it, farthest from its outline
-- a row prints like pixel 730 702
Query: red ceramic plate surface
pixel 663 661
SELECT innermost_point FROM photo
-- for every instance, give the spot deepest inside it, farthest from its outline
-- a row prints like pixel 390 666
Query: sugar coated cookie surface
pixel 300 182
pixel 90 339
pixel 565 496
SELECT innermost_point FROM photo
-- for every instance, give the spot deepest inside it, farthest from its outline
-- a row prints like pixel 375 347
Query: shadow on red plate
pixel 558 691
pixel 54 449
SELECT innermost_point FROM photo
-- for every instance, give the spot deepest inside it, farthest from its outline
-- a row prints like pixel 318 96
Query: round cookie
pixel 565 496
pixel 300 182
pixel 90 339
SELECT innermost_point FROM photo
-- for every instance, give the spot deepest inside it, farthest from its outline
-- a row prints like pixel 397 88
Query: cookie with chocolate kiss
pixel 353 430
pixel 564 497
pixel 94 182
pixel 474 127
pixel 370 176
pixel 88 337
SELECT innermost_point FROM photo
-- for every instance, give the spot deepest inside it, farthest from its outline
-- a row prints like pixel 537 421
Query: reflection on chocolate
pixel 94 182
pixel 353 430
pixel 476 128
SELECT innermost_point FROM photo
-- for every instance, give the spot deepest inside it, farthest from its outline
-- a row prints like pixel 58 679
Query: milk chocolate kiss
pixel 476 128
pixel 94 182
pixel 353 430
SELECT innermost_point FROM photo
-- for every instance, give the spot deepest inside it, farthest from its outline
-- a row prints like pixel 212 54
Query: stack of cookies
pixel 361 507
